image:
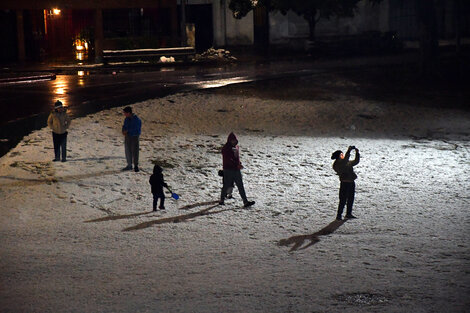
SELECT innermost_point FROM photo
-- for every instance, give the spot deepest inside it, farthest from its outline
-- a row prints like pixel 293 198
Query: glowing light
pixel 224 82
pixel 81 49
pixel 81 77
pixel 56 11
pixel 59 89
pixel 45 22
pixel 80 56
pixel 80 44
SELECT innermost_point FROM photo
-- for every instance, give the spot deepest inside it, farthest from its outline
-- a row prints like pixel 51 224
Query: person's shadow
pixel 127 216
pixel 299 240
pixel 117 217
pixel 17 181
pixel 183 217
pixel 97 159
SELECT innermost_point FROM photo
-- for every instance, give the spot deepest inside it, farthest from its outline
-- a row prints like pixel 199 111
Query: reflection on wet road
pixel 25 100
pixel 26 106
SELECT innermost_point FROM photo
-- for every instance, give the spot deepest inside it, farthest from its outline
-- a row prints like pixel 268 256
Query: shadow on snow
pixel 299 240
pixel 17 181
pixel 183 217
pixel 120 217
pixel 117 217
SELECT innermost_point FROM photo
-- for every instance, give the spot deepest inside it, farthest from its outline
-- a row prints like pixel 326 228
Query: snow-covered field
pixel 80 236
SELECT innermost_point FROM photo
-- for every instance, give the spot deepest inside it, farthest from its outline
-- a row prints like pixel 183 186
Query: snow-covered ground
pixel 80 236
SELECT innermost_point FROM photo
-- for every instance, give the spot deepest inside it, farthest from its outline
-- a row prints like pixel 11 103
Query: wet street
pixel 114 87
pixel 26 105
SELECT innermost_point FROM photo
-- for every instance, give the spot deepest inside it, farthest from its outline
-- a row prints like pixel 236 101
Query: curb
pixel 25 79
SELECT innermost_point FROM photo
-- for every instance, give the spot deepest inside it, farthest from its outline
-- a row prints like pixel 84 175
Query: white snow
pixel 80 236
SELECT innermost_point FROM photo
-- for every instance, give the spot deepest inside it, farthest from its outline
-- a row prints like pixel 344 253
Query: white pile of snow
pixel 212 54
pixel 164 59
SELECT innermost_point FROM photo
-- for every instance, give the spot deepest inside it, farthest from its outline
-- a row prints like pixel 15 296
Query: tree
pixel 311 10
pixel 314 10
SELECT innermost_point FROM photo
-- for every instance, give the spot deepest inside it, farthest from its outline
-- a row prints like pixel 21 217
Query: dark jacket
pixel 231 155
pixel 157 183
pixel 132 125
pixel 344 167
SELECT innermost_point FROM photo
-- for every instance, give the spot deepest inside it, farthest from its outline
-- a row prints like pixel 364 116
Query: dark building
pixel 36 29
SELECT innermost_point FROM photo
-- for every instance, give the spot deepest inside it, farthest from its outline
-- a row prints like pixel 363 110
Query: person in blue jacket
pixel 131 131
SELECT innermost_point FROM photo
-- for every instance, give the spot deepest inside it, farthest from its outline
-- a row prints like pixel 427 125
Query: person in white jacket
pixel 59 122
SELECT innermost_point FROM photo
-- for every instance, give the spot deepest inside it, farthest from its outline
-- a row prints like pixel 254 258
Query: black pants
pixel 131 147
pixel 231 177
pixel 157 196
pixel 60 145
pixel 229 189
pixel 346 195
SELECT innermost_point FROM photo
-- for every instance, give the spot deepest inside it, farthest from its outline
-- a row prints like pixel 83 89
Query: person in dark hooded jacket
pixel 229 189
pixel 231 167
pixel 157 183
pixel 344 168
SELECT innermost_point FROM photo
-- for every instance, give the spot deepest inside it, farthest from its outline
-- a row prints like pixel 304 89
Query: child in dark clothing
pixel 157 183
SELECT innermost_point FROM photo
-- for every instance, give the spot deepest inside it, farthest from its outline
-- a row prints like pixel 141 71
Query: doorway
pixel 201 16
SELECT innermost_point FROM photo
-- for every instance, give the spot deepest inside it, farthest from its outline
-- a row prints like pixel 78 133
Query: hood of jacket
pixel 231 137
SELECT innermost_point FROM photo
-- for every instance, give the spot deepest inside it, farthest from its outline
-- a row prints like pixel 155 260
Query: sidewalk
pixel 15 78
pixel 45 70
pixel 37 71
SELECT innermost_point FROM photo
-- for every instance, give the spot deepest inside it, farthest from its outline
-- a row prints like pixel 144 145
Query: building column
pixel 20 35
pixel 99 36
pixel 220 20
pixel 184 40
pixel 384 16
pixel 174 25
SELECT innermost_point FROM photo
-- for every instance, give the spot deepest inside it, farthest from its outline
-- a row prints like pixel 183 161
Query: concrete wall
pixel 291 27
pixel 228 30
pixel 239 32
